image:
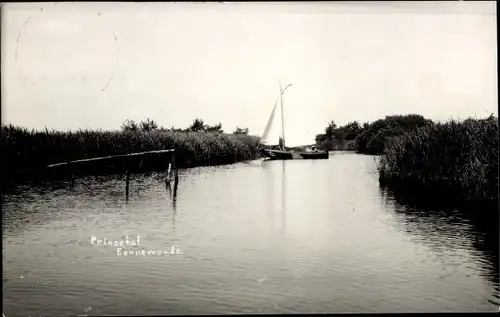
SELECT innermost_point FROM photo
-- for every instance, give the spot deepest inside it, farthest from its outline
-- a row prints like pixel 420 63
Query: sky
pixel 94 65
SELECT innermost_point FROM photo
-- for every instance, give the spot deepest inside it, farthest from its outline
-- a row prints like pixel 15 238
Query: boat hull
pixel 314 155
pixel 289 155
pixel 277 154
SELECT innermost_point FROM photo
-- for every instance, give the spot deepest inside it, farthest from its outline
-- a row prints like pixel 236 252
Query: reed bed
pixel 459 158
pixel 26 150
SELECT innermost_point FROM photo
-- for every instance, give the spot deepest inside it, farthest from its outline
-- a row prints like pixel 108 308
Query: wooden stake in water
pixel 117 157
pixel 167 174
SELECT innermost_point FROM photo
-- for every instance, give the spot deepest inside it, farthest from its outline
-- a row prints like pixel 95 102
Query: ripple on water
pixel 263 244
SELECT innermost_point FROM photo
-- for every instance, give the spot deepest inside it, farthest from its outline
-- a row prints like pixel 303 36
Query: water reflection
pixel 316 229
pixel 283 196
pixel 173 196
pixel 449 232
pixel 269 170
pixel 270 193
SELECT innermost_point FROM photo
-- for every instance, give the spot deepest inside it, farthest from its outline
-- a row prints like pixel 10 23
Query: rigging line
pixel 109 81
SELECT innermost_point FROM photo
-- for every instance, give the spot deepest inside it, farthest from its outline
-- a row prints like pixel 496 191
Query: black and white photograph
pixel 200 158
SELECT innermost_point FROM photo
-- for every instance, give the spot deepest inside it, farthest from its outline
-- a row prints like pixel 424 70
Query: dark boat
pixel 314 155
pixel 283 153
pixel 277 154
pixel 290 155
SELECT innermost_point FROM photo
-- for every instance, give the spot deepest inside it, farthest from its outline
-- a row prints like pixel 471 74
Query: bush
pixel 374 137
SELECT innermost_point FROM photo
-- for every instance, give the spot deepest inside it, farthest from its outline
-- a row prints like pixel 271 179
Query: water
pixel 259 237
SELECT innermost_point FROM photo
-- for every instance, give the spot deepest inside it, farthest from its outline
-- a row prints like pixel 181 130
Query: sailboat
pixel 283 153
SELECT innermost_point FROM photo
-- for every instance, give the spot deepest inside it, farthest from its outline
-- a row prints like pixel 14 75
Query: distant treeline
pixel 26 151
pixel 197 126
pixel 459 158
pixel 369 138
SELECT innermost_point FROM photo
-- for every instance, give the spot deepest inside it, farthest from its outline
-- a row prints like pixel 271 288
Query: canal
pixel 300 236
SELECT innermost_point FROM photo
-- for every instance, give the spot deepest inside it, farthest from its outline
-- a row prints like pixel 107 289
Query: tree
pixel 374 136
pixel 197 126
pixel 320 138
pixel 352 129
pixel 148 125
pixel 130 125
pixel 330 129
pixel 241 131
pixel 215 129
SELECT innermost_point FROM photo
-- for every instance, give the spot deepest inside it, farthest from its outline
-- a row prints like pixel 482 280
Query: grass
pixel 456 159
pixel 25 151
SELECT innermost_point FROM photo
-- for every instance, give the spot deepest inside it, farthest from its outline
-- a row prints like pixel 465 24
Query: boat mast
pixel 282 91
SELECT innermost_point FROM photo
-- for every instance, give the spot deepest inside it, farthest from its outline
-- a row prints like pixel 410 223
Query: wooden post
pixel 171 171
pixel 167 174
pixel 127 181
pixel 73 179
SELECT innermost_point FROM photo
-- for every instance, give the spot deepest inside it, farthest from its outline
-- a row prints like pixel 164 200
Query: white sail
pixel 296 134
pixel 268 137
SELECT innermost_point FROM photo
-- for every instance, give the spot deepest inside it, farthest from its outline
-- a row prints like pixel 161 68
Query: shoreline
pixel 26 154
pixel 459 157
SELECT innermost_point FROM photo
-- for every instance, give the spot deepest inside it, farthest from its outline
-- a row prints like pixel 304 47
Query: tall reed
pixel 459 157
pixel 25 150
